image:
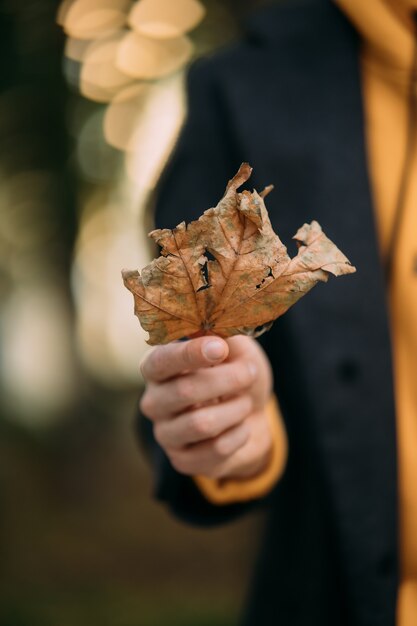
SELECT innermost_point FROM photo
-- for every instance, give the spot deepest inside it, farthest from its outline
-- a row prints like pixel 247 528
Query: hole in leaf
pixel 264 279
pixel 204 270
pixel 258 330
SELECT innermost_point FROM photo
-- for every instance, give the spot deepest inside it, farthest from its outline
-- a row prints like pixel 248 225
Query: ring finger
pixel 203 423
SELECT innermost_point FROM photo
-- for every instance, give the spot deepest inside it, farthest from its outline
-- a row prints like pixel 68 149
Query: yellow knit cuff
pixel 232 490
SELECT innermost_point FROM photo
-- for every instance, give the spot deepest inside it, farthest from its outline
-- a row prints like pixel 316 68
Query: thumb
pixel 173 359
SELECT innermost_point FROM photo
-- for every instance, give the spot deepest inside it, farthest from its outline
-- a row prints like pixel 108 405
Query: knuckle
pixel 201 424
pixel 179 463
pixel 222 447
pixel 147 404
pixel 184 389
pixel 156 362
pixel 240 376
pixel 188 354
pixel 247 404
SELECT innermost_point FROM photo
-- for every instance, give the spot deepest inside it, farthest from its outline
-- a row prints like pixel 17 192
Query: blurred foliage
pixel 81 541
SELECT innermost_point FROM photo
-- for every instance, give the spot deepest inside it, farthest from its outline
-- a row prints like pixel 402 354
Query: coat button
pixel 348 371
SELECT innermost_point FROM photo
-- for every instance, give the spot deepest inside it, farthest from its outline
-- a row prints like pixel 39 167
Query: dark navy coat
pixel 288 100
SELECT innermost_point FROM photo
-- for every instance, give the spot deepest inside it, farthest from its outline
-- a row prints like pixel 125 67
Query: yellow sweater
pixel 387 33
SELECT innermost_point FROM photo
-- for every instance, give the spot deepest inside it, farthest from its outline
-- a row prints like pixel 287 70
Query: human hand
pixel 207 400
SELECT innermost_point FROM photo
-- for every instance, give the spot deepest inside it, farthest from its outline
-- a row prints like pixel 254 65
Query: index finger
pixel 167 361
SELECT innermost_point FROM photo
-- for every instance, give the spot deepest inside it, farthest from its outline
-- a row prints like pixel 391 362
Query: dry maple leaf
pixel 228 273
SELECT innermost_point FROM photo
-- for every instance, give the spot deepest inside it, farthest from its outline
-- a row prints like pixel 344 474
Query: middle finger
pixel 203 423
pixel 204 385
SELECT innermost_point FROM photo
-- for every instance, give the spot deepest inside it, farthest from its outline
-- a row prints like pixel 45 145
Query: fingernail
pixel 213 350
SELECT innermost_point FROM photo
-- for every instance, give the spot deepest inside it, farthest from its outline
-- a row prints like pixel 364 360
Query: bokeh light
pixel 100 77
pixel 109 339
pixel 145 58
pixel 88 209
pixel 117 41
pixel 156 115
pixel 91 19
pixel 130 56
pixel 90 109
pixel 37 362
pixel 165 19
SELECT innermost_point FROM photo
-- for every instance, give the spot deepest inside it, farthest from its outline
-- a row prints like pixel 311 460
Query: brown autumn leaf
pixel 228 273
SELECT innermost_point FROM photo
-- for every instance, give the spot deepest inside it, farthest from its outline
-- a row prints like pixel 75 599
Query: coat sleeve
pixel 194 180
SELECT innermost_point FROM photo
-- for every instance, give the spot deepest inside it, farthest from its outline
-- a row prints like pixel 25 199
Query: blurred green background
pixel 81 541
